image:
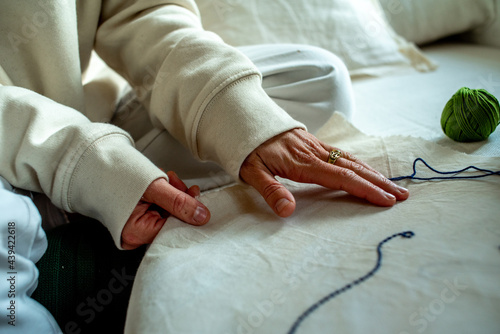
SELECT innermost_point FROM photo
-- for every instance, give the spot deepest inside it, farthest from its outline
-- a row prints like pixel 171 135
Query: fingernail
pixel 402 190
pixel 281 204
pixel 200 215
pixel 390 196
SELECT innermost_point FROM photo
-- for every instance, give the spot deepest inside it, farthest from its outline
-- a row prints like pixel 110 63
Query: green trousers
pixel 85 281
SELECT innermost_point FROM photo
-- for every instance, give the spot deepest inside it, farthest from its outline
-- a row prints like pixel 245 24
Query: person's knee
pixel 326 64
pixel 308 82
pixel 333 76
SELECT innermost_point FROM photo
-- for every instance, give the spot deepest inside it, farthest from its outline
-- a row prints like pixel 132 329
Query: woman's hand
pixel 162 199
pixel 299 156
pixel 296 155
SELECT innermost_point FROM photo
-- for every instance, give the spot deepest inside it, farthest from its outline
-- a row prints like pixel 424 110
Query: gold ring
pixel 334 155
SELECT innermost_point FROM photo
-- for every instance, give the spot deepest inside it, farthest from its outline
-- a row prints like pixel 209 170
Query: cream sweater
pixel 206 93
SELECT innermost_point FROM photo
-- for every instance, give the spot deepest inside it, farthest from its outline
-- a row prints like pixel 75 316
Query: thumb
pixel 276 195
pixel 177 202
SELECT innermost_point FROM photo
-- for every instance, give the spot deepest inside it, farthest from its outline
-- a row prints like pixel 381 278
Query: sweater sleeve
pixel 207 94
pixel 50 148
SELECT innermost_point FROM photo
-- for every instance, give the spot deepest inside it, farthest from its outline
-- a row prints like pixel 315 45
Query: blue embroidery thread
pixel 485 172
pixel 407 234
pixel 314 307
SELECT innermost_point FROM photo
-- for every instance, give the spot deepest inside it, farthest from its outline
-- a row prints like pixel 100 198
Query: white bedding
pixel 249 271
pixel 411 103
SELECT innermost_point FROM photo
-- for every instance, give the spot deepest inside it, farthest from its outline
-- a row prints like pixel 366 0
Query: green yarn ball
pixel 470 115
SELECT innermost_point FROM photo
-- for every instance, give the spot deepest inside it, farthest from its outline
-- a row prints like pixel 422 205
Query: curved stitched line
pixel 315 306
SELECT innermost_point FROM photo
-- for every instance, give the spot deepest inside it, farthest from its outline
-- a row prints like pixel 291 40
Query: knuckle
pixel 126 237
pixel 386 183
pixel 349 156
pixel 346 178
pixel 384 180
pixel 315 146
pixel 129 240
pixel 270 190
pixel 305 158
pixel 179 203
pixel 347 174
pixel 357 168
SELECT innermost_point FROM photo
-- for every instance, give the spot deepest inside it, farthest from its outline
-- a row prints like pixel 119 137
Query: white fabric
pixel 412 103
pixel 22 244
pixel 355 30
pixel 248 271
pixel 425 21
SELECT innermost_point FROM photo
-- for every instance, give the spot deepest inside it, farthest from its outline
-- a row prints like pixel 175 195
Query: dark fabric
pixel 85 281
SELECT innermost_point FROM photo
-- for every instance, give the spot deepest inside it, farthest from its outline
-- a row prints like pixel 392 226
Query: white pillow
pixel 489 33
pixel 425 21
pixel 355 30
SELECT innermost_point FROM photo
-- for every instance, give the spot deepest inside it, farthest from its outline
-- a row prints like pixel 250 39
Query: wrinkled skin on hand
pixel 299 156
pixel 162 199
pixel 296 155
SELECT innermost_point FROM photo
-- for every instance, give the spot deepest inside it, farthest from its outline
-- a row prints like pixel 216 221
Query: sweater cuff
pixel 239 119
pixel 108 181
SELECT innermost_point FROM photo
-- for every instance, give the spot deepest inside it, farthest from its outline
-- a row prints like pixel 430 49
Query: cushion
pixel 425 21
pixel 489 32
pixel 355 30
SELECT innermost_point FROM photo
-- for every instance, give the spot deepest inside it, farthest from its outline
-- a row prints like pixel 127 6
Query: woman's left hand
pixel 161 199
pixel 299 156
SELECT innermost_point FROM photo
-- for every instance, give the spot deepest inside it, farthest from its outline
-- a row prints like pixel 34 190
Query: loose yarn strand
pixel 306 313
pixel 486 172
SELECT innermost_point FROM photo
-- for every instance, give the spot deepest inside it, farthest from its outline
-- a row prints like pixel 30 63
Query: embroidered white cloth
pixel 248 271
